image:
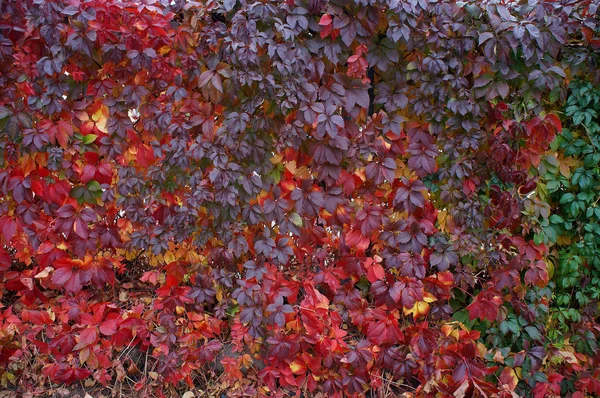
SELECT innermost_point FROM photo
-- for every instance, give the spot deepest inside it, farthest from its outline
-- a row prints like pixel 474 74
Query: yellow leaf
pixel 297 367
pixel 421 308
pixel 169 257
pixel 550 268
pixel 291 166
pixel 498 357
pixel 428 297
pixel 565 170
pixel 568 356
pixel 442 217
pixel 563 240
pixel 155 260
pixel 277 158
pixel 482 349
pixel 303 173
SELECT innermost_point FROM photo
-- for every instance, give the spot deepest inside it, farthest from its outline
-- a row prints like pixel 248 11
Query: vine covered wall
pixel 324 197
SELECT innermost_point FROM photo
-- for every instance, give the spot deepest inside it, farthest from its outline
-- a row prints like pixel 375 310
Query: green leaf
pixel 94 186
pixel 77 192
pixel 533 332
pixel 567 198
pixel 550 233
pixel 552 186
pixel 89 138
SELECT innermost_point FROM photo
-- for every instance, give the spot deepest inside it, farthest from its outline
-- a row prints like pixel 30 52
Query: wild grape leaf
pixel 537 274
pixel 508 379
pixel 407 291
pixel 422 159
pixel 278 310
pixel 108 327
pixel 5 259
pixel 378 172
pixel 265 247
pixel 67 276
pixel 9 227
pixel 383 328
pixel 411 265
pixel 485 305
pixel 208 351
pixel 424 341
pixel 374 269
pixel 87 337
pixel 81 228
pixel 282 252
pixel 145 155
pixel 369 219
pixel 36 317
pixel 443 260
pixel 355 239
pixel 281 346
pixel 98 271
pixel 409 195
pixel 175 271
pixel 309 201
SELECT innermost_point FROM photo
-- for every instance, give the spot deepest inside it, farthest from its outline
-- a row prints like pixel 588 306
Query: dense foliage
pixel 263 198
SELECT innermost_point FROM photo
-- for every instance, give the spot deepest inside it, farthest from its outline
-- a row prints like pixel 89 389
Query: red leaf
pixel 175 272
pixel 508 379
pixel 36 317
pixel 407 291
pixel 384 328
pixel 145 155
pixel 485 305
pixel 5 260
pixel 554 121
pixel 354 238
pixel 375 270
pixel 99 271
pixel 81 228
pixel 87 337
pixel 108 327
pixel 9 227
pixel 88 173
pixel 64 131
pixel 67 277
pixel 326 22
pixel 537 275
